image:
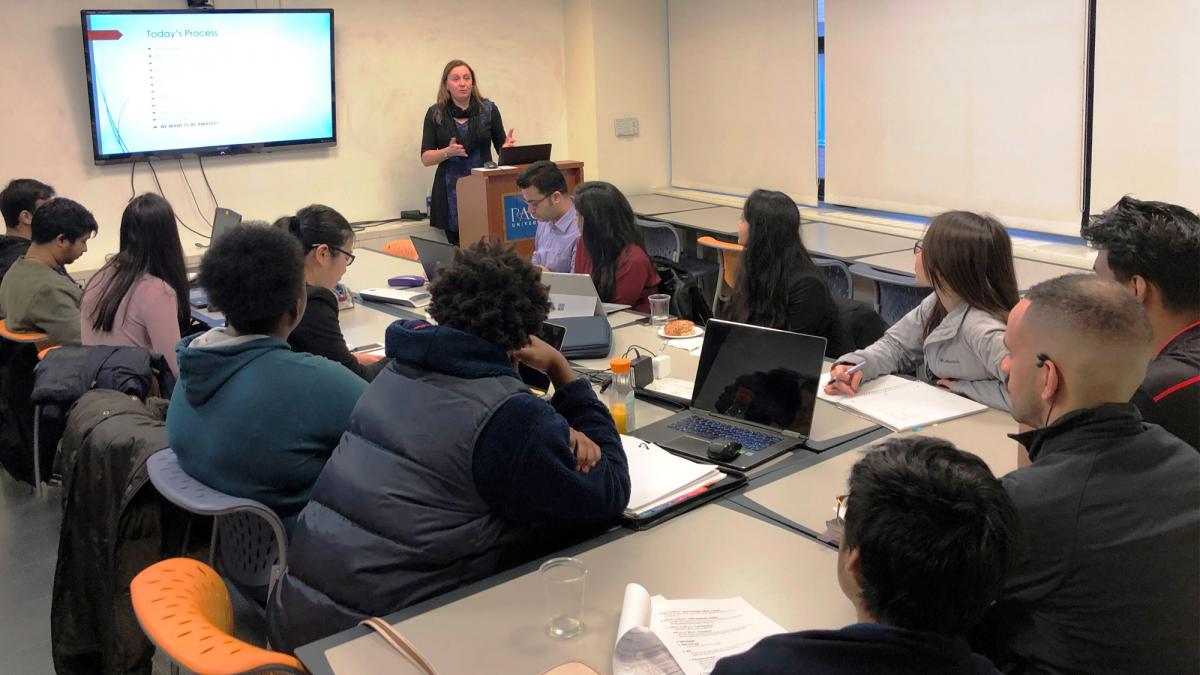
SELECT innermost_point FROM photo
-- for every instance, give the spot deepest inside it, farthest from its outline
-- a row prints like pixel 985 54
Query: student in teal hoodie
pixel 249 416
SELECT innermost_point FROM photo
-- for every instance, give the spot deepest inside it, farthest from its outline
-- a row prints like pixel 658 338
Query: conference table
pixel 1029 272
pixel 804 499
pixel 713 552
pixel 654 205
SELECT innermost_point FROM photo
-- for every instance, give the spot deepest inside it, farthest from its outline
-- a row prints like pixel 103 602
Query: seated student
pixel 778 284
pixel 929 535
pixel 19 199
pixel 612 251
pixel 955 337
pixel 326 239
pixel 37 294
pixel 544 189
pixel 249 416
pixel 452 470
pixel 1110 505
pixel 140 297
pixel 1153 249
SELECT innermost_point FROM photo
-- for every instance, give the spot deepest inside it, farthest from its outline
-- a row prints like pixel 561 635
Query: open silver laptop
pixel 575 295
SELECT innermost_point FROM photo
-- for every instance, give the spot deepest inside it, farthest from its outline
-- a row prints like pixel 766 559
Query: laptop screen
pixel 432 253
pixel 760 375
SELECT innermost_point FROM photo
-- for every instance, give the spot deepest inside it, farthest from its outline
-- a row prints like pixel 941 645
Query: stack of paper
pixel 656 636
pixel 900 404
pixel 659 479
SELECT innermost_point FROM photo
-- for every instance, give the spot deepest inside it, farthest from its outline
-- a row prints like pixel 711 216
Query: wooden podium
pixel 490 205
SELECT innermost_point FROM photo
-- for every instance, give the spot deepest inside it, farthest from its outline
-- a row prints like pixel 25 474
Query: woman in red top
pixel 612 252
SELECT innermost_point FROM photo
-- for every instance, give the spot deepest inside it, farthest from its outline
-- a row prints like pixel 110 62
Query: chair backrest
pixel 250 545
pixel 895 294
pixel 837 274
pixel 22 337
pixel 401 248
pixel 731 257
pixel 662 240
pixel 183 607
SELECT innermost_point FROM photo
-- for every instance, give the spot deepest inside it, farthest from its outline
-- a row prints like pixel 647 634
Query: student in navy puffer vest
pixel 452 470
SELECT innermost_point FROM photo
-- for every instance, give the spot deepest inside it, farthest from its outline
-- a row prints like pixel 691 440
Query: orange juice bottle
pixel 620 395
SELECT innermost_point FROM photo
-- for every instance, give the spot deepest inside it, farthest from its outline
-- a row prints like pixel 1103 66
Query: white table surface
pixel 713 552
pixel 806 497
pixel 653 205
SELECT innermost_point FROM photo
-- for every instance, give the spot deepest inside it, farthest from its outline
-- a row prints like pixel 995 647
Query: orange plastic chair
pixel 23 337
pixel 401 248
pixel 730 256
pixel 184 609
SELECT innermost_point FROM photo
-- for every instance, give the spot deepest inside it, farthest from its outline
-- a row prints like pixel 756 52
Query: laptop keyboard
pixel 709 428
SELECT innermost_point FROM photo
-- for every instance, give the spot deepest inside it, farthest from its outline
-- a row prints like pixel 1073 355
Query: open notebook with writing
pixel 901 404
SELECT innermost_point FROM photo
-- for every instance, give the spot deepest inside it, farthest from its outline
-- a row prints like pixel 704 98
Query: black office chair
pixel 895 294
pixel 837 274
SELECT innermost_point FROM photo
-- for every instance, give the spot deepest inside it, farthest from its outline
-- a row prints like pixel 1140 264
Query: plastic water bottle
pixel 620 395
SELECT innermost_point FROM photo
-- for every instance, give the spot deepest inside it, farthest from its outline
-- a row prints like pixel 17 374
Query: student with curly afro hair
pixel 249 416
pixel 452 470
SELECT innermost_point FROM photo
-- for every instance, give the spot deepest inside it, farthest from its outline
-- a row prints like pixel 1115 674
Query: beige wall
pixel 616 61
pixel 388 57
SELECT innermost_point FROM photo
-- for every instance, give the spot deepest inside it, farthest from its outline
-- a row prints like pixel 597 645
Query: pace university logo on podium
pixel 518 224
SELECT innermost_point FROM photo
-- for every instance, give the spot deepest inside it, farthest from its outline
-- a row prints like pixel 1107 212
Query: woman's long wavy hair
pixel 607 227
pixel 443 96
pixel 971 255
pixel 773 250
pixel 149 245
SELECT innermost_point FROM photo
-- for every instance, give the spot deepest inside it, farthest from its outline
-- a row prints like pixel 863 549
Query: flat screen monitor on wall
pixel 165 83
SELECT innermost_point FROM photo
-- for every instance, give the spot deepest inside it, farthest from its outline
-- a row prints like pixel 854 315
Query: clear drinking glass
pixel 660 309
pixel 563 579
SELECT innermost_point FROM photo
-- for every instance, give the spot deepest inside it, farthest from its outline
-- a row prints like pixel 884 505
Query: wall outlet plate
pixel 626 126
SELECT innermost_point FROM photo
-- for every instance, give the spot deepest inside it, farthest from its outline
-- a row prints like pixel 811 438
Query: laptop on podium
pixel 756 386
pixel 524 154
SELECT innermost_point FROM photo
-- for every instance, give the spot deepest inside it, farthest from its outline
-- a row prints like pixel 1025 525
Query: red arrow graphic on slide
pixel 104 35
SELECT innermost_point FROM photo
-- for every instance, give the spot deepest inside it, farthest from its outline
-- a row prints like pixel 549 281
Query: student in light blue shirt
pixel 544 189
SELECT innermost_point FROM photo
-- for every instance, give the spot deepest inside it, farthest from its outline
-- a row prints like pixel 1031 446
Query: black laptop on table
pixel 432 254
pixel 756 386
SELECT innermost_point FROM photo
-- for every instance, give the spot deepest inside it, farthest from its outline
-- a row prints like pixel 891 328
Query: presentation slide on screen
pixel 170 81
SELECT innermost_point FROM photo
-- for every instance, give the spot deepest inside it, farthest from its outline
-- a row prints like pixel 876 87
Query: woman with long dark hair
pixel 140 297
pixel 955 337
pixel 460 130
pixel 778 284
pixel 613 251
pixel 327 240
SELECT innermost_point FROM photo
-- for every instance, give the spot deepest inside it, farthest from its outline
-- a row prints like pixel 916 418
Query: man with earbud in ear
pixel 1110 505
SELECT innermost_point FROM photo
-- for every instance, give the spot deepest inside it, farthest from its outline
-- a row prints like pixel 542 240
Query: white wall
pixel 389 55
pixel 616 59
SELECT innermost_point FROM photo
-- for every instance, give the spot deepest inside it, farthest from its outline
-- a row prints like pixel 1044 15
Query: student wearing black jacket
pixel 327 241
pixel 1110 505
pixel 928 538
pixel 778 284
pixel 1153 249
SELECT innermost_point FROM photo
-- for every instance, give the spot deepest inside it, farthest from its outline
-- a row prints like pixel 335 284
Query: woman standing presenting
pixel 459 130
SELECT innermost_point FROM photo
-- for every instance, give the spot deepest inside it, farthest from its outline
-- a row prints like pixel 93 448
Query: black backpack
pixel 687 297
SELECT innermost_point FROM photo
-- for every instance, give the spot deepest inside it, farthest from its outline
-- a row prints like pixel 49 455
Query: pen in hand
pixel 845 376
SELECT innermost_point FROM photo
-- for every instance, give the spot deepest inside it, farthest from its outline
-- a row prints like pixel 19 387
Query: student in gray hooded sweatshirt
pixel 955 337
